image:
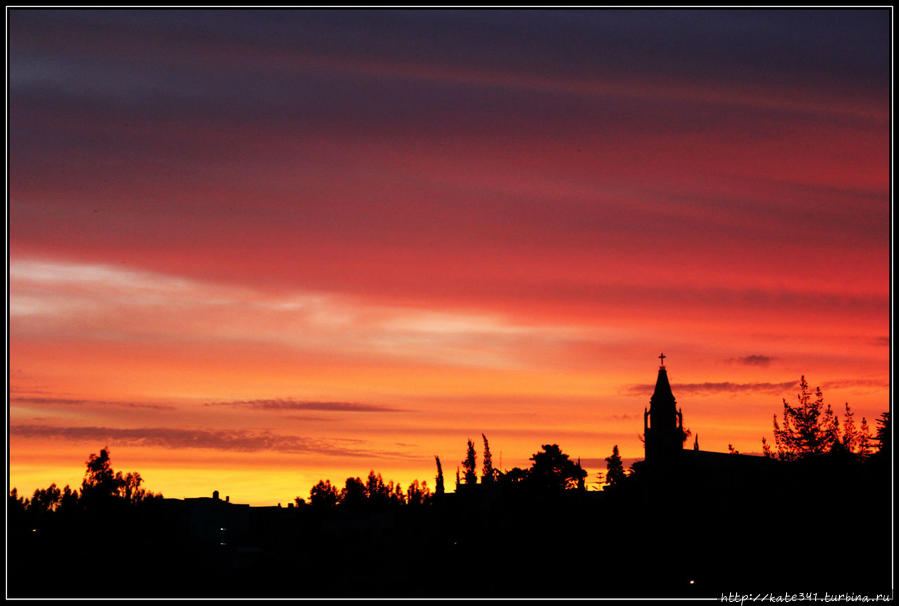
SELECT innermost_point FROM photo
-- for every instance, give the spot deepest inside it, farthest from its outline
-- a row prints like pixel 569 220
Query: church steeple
pixel 662 393
pixel 663 422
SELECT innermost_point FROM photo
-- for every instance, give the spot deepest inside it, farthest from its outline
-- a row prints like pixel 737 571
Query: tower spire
pixel 663 424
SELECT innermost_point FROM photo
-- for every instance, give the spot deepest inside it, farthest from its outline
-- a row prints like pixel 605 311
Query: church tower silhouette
pixel 663 423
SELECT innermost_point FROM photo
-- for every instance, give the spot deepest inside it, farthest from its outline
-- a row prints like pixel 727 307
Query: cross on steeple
pixel 663 423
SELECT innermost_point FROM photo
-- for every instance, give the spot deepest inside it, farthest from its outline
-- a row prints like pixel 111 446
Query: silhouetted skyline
pixel 249 250
pixel 683 522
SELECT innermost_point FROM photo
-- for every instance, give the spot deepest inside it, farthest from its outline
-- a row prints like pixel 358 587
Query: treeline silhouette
pixel 812 515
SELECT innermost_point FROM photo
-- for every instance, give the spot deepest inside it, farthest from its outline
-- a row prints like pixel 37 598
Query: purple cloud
pixel 290 404
pixel 712 387
pixel 753 360
pixel 167 437
pixel 82 402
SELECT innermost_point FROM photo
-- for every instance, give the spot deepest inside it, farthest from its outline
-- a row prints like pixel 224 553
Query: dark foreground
pixel 810 527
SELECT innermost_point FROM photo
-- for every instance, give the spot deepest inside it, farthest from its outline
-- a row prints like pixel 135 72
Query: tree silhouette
pixel 377 493
pixel 130 489
pixel 15 503
pixel 851 437
pixel 353 496
pixel 45 499
pixel 323 495
pixel 397 496
pixel 488 474
pixel 809 428
pixel 417 494
pixel 553 471
pixel 883 436
pixel 99 483
pixel 615 473
pixel 864 440
pixel 439 489
pixel 102 485
pixel 516 475
pixel 470 465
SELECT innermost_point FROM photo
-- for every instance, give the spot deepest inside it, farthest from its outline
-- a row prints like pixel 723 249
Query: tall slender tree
pixel 864 440
pixel 615 473
pixel 488 475
pixel 883 436
pixel 766 448
pixel 470 465
pixel 439 489
pixel 850 439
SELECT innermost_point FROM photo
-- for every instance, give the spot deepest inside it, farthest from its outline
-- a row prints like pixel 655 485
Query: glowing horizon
pixel 253 250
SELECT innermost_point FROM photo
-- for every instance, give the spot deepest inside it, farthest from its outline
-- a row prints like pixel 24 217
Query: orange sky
pixel 290 249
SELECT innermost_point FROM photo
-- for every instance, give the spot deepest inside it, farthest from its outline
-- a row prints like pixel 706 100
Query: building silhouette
pixel 664 437
pixel 663 423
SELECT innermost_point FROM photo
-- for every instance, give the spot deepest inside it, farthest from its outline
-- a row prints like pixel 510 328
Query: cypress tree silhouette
pixel 615 473
pixel 470 465
pixel 488 475
pixel 439 489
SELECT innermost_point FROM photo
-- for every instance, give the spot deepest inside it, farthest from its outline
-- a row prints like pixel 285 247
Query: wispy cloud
pixel 291 404
pixel 89 301
pixel 621 417
pixel 84 402
pixel 168 437
pixel 840 384
pixel 753 360
pixel 728 387
pixel 311 418
pixel 711 387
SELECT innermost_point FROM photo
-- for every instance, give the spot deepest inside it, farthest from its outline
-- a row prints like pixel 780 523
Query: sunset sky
pixel 252 250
